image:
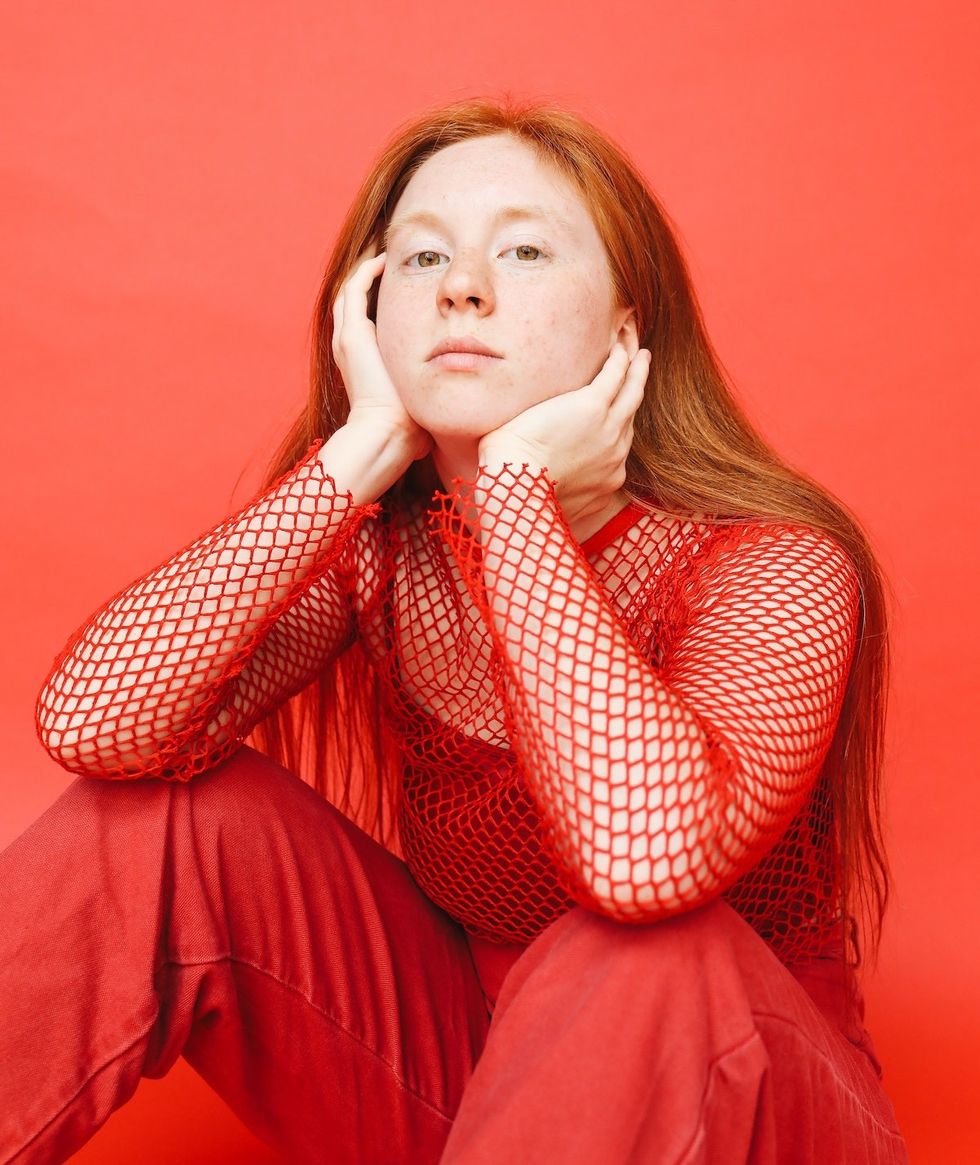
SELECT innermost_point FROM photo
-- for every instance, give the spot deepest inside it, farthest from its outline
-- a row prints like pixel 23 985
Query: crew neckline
pixel 626 517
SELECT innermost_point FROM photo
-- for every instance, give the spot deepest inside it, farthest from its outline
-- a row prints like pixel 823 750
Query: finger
pixel 358 283
pixel 629 366
pixel 631 391
pixel 609 378
pixel 338 319
pixel 365 270
pixel 372 263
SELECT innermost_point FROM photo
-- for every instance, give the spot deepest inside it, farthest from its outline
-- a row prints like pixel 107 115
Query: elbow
pixel 68 736
pixel 123 746
pixel 175 759
pixel 670 872
pixel 90 748
pixel 77 751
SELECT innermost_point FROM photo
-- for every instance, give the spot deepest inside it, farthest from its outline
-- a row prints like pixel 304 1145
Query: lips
pixel 462 344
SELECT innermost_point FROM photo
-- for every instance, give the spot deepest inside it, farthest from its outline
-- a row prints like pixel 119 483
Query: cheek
pixel 386 315
pixel 571 343
pixel 591 316
pixel 584 322
pixel 394 329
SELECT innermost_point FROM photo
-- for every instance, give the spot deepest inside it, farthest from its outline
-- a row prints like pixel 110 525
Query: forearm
pixel 658 785
pixel 145 670
pixel 598 774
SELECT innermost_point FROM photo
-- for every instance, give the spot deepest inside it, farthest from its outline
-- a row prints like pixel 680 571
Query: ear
pixel 626 330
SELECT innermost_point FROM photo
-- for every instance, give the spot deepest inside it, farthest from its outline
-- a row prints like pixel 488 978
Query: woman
pixel 592 686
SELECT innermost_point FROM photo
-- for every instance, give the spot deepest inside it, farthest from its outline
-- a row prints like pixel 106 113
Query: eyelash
pixel 429 251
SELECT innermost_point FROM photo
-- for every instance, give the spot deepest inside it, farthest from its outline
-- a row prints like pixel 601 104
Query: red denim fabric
pixel 243 922
pixel 685 1042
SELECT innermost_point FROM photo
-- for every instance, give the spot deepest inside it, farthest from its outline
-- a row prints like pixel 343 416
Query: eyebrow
pixel 504 213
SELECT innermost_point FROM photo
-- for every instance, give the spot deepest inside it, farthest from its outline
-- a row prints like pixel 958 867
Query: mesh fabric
pixel 636 723
pixel 169 675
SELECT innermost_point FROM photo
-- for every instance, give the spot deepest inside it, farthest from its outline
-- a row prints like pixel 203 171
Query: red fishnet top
pixel 636 723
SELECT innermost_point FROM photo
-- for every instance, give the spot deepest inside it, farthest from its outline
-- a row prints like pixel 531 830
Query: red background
pixel 173 178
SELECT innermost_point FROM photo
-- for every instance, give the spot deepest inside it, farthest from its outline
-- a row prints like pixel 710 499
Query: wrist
pixel 494 454
pixel 365 460
pixel 378 432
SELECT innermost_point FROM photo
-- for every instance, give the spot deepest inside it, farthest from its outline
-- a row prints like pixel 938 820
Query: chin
pixel 460 434
pixel 471 426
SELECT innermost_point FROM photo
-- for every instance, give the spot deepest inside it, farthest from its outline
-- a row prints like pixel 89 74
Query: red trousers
pixel 241 921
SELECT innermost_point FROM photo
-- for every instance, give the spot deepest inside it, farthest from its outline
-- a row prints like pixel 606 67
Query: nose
pixel 467 279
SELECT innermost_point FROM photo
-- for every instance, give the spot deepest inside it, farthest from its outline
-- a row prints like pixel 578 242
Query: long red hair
pixel 694 450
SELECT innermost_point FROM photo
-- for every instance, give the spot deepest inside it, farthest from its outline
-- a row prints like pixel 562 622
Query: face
pixel 536 288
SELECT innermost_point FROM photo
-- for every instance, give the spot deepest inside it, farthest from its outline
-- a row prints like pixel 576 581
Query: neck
pixel 455 458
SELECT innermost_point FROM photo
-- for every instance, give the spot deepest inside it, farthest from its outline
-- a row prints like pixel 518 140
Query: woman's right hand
pixel 374 400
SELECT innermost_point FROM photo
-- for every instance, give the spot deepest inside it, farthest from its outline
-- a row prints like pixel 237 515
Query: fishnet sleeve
pixel 168 676
pixel 658 786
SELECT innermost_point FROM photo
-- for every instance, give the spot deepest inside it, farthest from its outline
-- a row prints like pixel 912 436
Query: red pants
pixel 241 921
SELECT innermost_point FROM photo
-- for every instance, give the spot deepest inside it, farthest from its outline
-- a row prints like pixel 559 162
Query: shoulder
pixel 767 560
pixel 775 542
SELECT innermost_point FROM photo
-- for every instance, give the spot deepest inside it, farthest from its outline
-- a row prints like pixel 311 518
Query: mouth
pixel 468 344
pixel 462 361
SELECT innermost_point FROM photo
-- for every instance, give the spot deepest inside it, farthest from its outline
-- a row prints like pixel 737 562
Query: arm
pixel 168 676
pixel 659 787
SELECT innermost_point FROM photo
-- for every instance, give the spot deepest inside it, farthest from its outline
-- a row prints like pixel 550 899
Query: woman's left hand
pixel 583 436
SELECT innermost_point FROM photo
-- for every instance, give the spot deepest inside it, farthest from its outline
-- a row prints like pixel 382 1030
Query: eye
pixel 526 247
pixel 519 247
pixel 408 261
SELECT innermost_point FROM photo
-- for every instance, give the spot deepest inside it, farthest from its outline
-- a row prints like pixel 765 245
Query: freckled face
pixel 534 288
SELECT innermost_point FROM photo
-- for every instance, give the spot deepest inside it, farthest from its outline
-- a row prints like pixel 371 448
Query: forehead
pixel 497 178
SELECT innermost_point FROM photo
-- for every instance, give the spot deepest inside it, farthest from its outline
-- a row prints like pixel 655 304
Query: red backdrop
pixel 173 178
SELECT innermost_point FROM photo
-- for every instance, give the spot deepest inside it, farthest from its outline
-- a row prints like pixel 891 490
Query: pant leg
pixel 243 922
pixel 683 1042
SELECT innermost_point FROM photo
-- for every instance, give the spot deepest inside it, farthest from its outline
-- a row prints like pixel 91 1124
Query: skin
pixel 537 291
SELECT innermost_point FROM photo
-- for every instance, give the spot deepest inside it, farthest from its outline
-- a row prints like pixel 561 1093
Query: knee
pixel 695 934
pixel 249 790
pixel 245 793
pixel 246 771
pixel 711 940
pixel 599 958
